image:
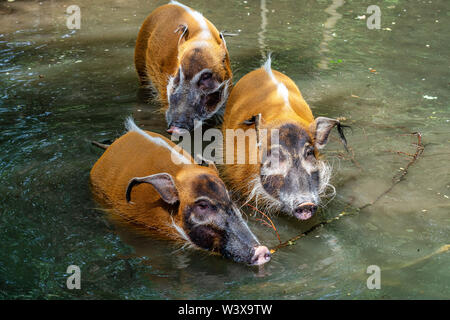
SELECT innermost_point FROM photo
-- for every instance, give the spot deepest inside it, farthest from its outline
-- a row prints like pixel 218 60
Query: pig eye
pixel 309 152
pixel 206 76
pixel 203 205
pixel 177 79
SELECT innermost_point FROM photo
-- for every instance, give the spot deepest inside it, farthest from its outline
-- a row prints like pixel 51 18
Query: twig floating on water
pixel 265 222
pixel 414 157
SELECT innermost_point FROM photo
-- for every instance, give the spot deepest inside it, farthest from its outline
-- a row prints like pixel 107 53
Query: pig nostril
pixel 176 130
pixel 261 255
pixel 306 207
pixel 305 211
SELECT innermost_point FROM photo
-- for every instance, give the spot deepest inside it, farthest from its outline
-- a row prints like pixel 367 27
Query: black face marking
pixel 211 187
pixel 273 184
pixel 200 91
pixel 193 63
pixel 212 222
pixel 207 237
pixel 197 60
pixel 293 137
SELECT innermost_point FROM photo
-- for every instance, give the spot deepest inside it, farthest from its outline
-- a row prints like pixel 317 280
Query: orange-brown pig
pixel 185 58
pixel 146 180
pixel 282 171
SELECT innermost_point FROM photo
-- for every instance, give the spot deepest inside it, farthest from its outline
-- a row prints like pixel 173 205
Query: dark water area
pixel 61 88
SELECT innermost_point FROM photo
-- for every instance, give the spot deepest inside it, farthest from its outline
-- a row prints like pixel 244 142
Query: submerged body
pixel 185 58
pixel 145 180
pixel 288 174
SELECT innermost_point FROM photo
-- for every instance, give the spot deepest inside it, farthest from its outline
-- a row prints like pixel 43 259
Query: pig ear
pixel 163 184
pixel 223 43
pixel 257 120
pixel 211 165
pixel 183 31
pixel 206 163
pixel 322 127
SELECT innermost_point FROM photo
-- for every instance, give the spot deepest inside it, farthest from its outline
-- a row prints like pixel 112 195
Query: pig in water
pixel 289 175
pixel 185 58
pixel 173 196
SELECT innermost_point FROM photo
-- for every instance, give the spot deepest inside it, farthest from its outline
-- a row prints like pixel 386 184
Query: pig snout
pixel 173 129
pixel 305 211
pixel 261 255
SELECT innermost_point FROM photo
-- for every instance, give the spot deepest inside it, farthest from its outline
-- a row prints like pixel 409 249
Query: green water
pixel 60 88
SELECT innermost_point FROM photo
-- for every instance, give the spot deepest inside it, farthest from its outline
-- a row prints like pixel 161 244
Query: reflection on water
pixel 328 30
pixel 261 34
pixel 61 88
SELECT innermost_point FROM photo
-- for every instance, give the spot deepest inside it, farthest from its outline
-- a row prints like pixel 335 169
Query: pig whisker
pixel 325 171
pixel 271 225
pixel 170 84
pixel 181 232
pixel 256 192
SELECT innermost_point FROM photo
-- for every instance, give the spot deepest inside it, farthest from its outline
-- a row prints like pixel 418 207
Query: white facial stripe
pixel 181 75
pixel 201 43
pixel 223 97
pixel 307 165
pixel 197 16
pixel 196 223
pixel 131 126
pixel 170 84
pixel 207 199
pixel 220 104
pixel 281 88
pixel 196 78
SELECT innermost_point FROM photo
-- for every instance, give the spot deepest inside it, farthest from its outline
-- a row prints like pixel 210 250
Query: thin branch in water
pixel 397 179
pixel 267 217
pixel 100 145
pixel 419 151
pixel 400 153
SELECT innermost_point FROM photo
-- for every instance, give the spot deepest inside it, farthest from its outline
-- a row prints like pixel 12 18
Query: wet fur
pixel 176 217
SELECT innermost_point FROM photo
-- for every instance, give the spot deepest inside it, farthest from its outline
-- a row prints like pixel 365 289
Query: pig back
pixel 132 155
